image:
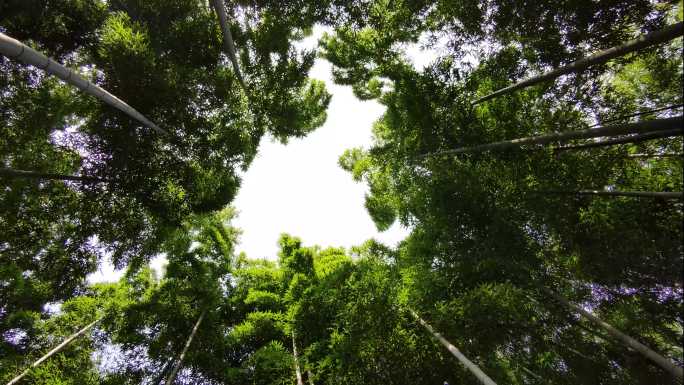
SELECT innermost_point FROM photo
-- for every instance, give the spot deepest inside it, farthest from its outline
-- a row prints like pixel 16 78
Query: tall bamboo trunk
pixel 298 371
pixel 228 43
pixel 638 194
pixel 14 173
pixel 638 138
pixel 674 123
pixel 309 376
pixel 453 350
pixel 15 49
pixel 53 351
pixel 661 361
pixel 179 362
pixel 669 33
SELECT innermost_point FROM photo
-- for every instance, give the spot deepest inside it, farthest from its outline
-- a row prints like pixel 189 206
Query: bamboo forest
pixel 535 162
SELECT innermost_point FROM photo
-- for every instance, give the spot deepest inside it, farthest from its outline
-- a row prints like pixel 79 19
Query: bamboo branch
pixel 53 351
pixel 15 49
pixel 474 369
pixel 671 32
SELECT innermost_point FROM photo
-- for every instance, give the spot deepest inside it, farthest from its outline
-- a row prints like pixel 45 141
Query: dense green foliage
pixel 164 59
pixel 490 231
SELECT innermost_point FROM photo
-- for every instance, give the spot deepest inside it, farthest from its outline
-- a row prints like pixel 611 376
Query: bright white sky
pixel 299 189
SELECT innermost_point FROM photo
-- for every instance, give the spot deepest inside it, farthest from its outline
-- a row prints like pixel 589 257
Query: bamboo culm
pixel 661 361
pixel 14 173
pixel 649 126
pixel 638 138
pixel 179 362
pixel 15 49
pixel 663 155
pixel 669 33
pixel 637 194
pixel 53 351
pixel 474 369
pixel 670 107
pixel 298 371
pixel 228 43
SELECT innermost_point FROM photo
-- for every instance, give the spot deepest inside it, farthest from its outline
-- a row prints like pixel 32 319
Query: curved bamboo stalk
pixel 228 43
pixel 671 32
pixel 176 367
pixel 661 361
pixel 15 49
pixel 649 126
pixel 638 194
pixel 474 369
pixel 53 351
pixel 638 138
pixel 14 173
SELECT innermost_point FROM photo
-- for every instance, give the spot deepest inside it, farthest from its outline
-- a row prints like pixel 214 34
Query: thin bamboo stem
pixel 661 361
pixel 638 138
pixel 648 126
pixel 53 352
pixel 671 32
pixel 637 194
pixel 298 371
pixel 14 173
pixel 670 107
pixel 474 369
pixel 179 362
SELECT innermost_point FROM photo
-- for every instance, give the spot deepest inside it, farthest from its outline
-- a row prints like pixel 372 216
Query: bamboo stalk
pixel 638 138
pixel 648 126
pixel 15 49
pixel 228 43
pixel 670 107
pixel 298 371
pixel 53 351
pixel 14 173
pixel 670 32
pixel 474 369
pixel 638 194
pixel 664 155
pixel 661 361
pixel 176 367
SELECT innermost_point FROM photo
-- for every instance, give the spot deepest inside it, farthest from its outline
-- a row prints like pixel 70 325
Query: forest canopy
pixel 537 163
